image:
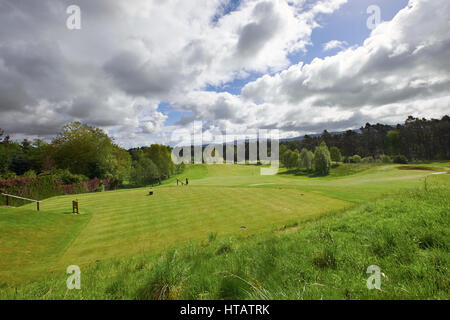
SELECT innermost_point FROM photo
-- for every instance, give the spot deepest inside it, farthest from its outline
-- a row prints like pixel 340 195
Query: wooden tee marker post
pixel 75 209
pixel 16 197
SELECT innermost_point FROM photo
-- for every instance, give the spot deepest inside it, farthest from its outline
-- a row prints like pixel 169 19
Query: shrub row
pixel 46 186
pixel 399 159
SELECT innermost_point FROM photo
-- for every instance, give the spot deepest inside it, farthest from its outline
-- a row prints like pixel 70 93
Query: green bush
pixel 367 160
pixel 179 168
pixel 356 159
pixel 65 176
pixel 30 174
pixel 101 188
pixel 335 165
pixel 10 175
pixel 400 159
pixel 385 159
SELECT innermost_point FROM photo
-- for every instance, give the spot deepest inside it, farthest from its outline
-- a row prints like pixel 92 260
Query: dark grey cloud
pixel 256 34
pixel 48 75
pixel 137 77
pixel 299 124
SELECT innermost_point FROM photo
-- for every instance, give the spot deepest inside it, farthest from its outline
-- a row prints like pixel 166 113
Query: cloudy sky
pixel 142 69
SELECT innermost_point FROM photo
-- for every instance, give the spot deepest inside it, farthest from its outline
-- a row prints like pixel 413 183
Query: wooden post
pixel 37 203
pixel 75 209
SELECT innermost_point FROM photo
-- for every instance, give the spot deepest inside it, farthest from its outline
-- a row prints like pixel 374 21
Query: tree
pixel 285 153
pixel 8 150
pixel 306 159
pixel 292 161
pixel 335 154
pixel 117 166
pixel 38 156
pixel 282 150
pixel 144 171
pixel 19 161
pixel 417 139
pixel 89 151
pixel 322 160
pixel 393 142
pixel 161 157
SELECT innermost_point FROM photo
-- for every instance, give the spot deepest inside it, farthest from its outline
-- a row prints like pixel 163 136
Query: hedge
pixel 44 187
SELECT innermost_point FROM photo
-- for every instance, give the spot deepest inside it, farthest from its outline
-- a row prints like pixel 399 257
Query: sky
pixel 144 71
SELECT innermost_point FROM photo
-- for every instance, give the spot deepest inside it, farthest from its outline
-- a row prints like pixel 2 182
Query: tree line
pixel 81 152
pixel 414 140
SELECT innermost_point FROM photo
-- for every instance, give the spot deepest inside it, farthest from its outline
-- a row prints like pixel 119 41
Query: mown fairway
pixel 219 201
pixel 132 222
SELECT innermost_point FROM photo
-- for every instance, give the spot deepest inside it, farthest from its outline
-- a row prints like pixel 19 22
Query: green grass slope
pixel 406 235
pixel 219 200
pixel 133 222
pixel 31 242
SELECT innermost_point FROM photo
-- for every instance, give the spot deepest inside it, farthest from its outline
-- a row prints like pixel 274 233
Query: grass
pixel 338 170
pixel 301 239
pixel 176 215
pixel 32 242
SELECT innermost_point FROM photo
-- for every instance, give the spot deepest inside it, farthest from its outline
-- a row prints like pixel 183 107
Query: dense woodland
pixel 416 139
